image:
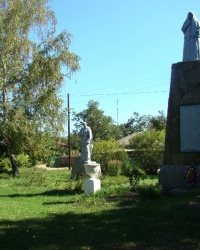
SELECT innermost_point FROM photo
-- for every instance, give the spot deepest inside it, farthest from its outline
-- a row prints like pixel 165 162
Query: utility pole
pixel 117 111
pixel 69 142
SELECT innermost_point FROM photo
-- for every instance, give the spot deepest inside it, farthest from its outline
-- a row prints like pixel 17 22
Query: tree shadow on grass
pixel 137 226
pixel 54 192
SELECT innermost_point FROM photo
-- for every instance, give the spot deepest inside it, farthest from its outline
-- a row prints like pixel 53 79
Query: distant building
pixel 125 141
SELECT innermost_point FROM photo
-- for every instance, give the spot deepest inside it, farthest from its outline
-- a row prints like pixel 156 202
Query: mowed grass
pixel 46 210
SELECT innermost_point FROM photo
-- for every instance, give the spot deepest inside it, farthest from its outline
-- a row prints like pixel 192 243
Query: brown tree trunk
pixel 15 170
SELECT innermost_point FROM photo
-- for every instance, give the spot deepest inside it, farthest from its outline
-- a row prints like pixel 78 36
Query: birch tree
pixel 33 58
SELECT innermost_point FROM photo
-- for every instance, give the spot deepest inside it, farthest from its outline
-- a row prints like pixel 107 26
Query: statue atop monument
pixel 86 143
pixel 190 28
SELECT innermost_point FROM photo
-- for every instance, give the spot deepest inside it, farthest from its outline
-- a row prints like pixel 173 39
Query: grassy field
pixel 47 210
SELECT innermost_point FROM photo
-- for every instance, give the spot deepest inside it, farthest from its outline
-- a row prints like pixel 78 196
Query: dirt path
pixel 47 168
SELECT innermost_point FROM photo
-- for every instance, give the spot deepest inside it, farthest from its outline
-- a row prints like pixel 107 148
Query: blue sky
pixel 126 48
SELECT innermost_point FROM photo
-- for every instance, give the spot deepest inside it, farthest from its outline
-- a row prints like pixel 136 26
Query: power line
pixel 124 93
pixel 148 82
pixel 82 98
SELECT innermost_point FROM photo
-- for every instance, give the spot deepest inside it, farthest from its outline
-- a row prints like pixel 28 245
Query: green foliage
pixel 114 167
pixel 134 173
pixel 139 123
pixel 158 122
pixel 110 191
pixel 5 164
pixel 105 151
pixel 31 112
pixel 148 192
pixel 149 148
pixel 23 160
pixel 134 124
pixel 75 140
pixel 102 126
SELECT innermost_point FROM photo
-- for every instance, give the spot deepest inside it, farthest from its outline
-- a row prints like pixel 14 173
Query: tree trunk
pixel 15 170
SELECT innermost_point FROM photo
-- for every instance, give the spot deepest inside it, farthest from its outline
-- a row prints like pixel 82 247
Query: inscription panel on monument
pixel 190 128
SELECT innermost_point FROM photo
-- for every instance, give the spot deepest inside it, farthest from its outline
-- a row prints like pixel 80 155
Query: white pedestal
pixel 91 186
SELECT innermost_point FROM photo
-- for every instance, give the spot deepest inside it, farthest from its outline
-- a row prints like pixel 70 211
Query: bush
pixel 105 151
pixel 121 155
pixel 148 192
pixel 149 148
pixel 5 164
pixel 134 173
pixel 114 167
pixel 23 160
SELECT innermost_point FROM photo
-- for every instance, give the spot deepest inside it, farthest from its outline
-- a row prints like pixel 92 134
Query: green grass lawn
pixel 46 210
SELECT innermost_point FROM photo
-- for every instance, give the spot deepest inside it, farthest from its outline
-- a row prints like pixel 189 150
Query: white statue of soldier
pixel 86 143
pixel 191 47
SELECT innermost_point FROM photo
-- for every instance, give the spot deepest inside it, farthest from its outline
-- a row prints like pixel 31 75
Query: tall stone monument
pixel 182 142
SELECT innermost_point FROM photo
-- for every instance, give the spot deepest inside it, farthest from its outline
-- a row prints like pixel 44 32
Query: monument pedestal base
pixel 172 177
pixel 91 186
pixel 82 168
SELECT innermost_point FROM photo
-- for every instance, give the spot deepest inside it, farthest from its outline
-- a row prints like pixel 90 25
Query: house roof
pixel 125 141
